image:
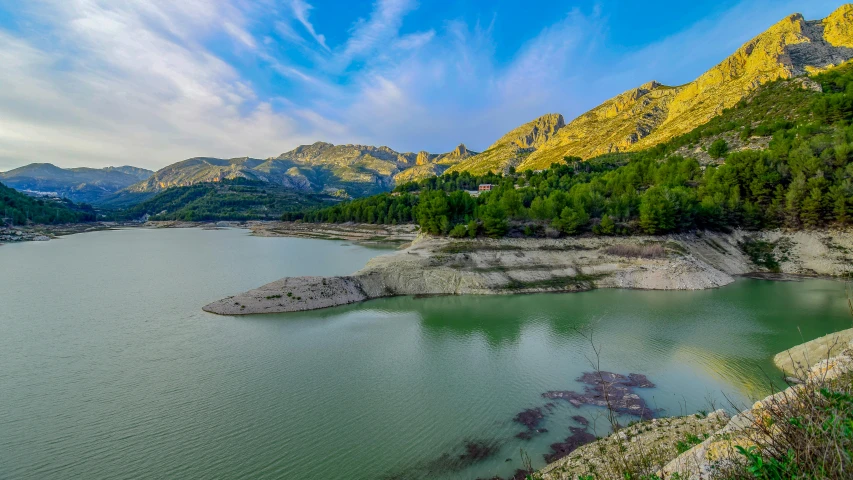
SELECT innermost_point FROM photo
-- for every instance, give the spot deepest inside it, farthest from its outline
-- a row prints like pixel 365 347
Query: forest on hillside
pixel 237 199
pixel 802 179
pixel 17 208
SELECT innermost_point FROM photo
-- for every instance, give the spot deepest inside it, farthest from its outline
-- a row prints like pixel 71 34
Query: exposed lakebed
pixel 112 371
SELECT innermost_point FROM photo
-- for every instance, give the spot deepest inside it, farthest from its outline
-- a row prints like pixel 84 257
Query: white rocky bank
pixel 439 266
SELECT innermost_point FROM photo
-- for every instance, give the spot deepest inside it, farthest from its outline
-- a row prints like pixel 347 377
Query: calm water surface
pixel 109 368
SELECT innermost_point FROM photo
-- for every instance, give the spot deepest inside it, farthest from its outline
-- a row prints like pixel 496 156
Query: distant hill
pixel 17 208
pixel 228 199
pixel 654 113
pixel 81 185
pixel 342 170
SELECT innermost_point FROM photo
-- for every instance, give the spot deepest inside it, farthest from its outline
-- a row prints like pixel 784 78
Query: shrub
pixel 458 231
pixel 654 250
pixel 718 149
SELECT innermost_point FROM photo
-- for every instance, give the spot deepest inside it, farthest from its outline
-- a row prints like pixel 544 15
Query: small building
pixel 486 187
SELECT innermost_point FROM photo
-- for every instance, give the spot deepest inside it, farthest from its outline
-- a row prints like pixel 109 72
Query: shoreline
pixel 42 233
pixel 442 266
pixel 359 233
pixel 362 234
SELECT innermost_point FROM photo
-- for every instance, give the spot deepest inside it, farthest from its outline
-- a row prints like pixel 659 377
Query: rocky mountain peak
pixel 422 158
pixel 653 113
pixel 460 151
pixel 537 132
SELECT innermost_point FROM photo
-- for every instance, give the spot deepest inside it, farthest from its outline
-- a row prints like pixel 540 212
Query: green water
pixel 109 369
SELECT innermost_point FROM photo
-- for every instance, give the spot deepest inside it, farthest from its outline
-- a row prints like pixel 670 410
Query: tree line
pixel 17 208
pixel 803 179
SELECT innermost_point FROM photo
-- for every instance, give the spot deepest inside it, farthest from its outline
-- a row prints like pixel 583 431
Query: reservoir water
pixel 110 370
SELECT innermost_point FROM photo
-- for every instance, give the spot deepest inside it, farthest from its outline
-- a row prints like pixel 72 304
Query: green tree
pixel 811 212
pixel 657 213
pixel 458 231
pixel 494 220
pixel 432 211
pixel 472 228
pixel 511 202
pixel 572 220
pixel 606 227
pixel 718 149
pixel 538 210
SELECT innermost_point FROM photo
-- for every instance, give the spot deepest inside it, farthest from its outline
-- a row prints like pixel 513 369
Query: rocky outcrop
pixel 796 359
pixel 512 148
pixel 434 266
pixel 427 165
pixel 654 113
pixel 647 445
pixel 720 449
pixel 651 447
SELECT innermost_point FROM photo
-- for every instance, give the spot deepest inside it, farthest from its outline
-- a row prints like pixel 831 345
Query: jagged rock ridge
pixel 512 148
pixel 348 170
pixel 654 113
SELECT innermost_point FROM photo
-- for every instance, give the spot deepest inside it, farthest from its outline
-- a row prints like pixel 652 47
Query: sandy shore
pixel 440 266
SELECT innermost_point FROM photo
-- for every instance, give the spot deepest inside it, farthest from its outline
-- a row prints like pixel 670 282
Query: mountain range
pixel 344 170
pixel 654 113
pixel 639 118
pixel 87 185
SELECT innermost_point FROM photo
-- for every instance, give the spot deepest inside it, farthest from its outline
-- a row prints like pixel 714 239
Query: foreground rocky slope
pixel 433 266
pixel 657 447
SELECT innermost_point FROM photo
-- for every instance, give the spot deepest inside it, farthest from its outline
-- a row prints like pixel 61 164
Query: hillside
pixel 17 208
pixel 513 147
pixel 87 185
pixel 781 157
pixel 654 113
pixel 237 199
pixel 342 170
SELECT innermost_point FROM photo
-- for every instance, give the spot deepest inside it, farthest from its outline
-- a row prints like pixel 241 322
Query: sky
pixel 152 82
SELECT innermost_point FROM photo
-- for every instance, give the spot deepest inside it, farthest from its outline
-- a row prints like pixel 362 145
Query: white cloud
pixel 133 82
pixel 137 89
pixel 239 34
pixel 300 11
pixel 414 40
pixel 382 26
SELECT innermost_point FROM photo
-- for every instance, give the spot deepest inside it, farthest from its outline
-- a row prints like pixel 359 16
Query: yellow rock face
pixel 654 113
pixel 838 27
pixel 513 147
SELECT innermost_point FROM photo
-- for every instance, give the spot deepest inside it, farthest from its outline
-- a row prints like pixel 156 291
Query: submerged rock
pixel 581 420
pixel 577 439
pixel 609 390
pixel 530 418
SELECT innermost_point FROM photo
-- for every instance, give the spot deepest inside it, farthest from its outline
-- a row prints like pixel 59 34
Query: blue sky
pixel 151 82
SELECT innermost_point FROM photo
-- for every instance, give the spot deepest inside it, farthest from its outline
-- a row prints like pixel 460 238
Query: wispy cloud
pixel 150 82
pixel 382 26
pixel 301 10
pixel 135 88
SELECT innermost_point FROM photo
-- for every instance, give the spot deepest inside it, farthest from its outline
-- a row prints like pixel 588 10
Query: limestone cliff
pixel 654 113
pixel 427 165
pixel 512 148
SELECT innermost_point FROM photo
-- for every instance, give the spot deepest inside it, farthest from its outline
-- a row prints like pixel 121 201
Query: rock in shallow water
pixel 609 390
